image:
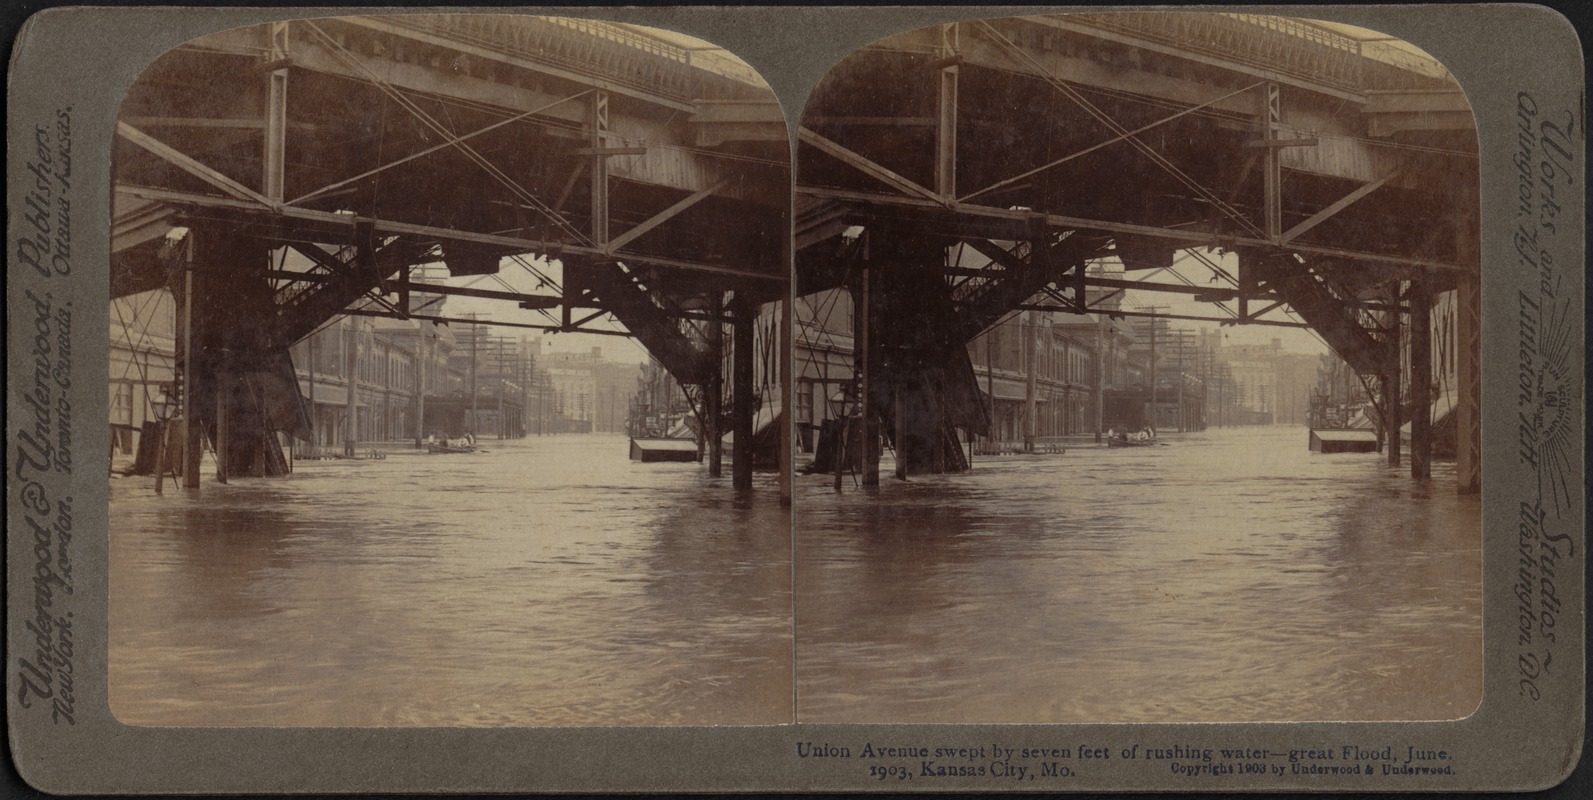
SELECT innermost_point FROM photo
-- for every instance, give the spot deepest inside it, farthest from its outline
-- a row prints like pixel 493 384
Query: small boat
pixel 443 445
pixel 1340 427
pixel 1145 437
pixel 433 448
pixel 1343 440
pixel 658 448
pixel 1131 442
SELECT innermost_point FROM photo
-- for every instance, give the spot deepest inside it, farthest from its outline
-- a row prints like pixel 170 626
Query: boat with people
pixel 441 445
pixel 1144 437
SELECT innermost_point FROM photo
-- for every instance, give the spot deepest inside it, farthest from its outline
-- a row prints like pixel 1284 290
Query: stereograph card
pixel 796 399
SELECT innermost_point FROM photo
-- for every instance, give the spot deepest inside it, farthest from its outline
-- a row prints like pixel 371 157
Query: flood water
pixel 548 581
pixel 1229 575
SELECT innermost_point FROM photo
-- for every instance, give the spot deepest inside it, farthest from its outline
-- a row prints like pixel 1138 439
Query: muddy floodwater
pixel 1229 575
pixel 548 581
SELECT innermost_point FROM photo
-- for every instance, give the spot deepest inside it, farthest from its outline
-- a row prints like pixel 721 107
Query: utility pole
pixel 1180 381
pixel 1153 370
pixel 1031 350
pixel 420 384
pixel 501 347
pixel 470 425
pixel 990 379
pixel 310 345
pixel 1100 372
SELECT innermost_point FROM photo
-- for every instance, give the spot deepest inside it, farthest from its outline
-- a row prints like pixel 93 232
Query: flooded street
pixel 1229 575
pixel 548 581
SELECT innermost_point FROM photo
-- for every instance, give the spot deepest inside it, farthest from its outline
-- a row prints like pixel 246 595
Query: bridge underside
pixel 371 147
pixel 1047 143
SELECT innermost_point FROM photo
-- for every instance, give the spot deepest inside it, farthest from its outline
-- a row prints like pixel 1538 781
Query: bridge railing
pixel 1290 46
pixel 1276 43
pixel 590 47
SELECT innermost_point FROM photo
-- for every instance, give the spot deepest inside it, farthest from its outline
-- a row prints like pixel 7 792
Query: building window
pixel 804 402
pixel 122 403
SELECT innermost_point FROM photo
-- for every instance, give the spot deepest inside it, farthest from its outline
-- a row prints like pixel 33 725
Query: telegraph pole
pixel 351 373
pixel 1180 381
pixel 475 331
pixel 1153 370
pixel 1100 372
pixel 420 384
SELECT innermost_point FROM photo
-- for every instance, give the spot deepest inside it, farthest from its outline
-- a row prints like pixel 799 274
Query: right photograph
pixel 1136 376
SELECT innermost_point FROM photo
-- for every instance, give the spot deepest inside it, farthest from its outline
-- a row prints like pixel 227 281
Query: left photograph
pixel 446 377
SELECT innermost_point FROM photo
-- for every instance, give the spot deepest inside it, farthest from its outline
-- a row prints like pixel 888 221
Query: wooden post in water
pixel 901 433
pixel 221 424
pixel 741 392
pixel 870 416
pixel 160 455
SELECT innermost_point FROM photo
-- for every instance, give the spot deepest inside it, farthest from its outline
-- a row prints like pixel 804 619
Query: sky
pixel 514 277
pixel 1293 339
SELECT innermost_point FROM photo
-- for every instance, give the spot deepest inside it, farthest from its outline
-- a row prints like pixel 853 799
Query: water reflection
pixel 545 582
pixel 1229 576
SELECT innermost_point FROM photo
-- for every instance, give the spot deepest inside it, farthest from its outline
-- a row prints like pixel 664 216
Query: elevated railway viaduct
pixel 370 146
pixel 1345 184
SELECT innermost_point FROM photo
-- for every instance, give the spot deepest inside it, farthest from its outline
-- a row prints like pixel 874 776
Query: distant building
pixel 589 394
pixel 143 344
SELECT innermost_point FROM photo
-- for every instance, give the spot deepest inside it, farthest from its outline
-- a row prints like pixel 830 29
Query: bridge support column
pixel 237 385
pixel 1421 379
pixel 713 393
pixel 1392 400
pixel 741 393
pixel 190 430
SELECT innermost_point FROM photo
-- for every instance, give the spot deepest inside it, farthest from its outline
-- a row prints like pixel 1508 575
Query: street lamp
pixel 164 407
